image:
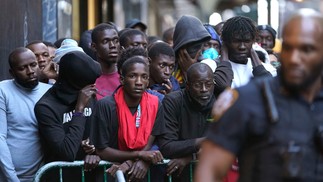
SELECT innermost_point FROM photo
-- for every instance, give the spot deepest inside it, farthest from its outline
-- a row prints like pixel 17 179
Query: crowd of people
pixel 216 94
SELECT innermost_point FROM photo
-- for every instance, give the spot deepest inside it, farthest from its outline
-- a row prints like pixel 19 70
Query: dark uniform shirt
pixel 268 151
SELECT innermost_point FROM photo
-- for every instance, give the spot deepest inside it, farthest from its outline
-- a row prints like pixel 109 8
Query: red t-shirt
pixel 107 84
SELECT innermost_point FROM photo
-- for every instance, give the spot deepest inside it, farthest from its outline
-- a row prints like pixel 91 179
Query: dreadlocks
pixel 238 25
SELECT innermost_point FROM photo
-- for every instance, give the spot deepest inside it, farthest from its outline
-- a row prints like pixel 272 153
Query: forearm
pixel 114 155
pixel 223 76
pixel 260 71
pixel 6 164
pixel 150 143
pixel 214 162
pixel 176 149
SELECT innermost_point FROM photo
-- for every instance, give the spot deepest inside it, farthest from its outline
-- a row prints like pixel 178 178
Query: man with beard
pixel 186 115
pixel 105 44
pixel 238 35
pixel 274 125
pixel 20 154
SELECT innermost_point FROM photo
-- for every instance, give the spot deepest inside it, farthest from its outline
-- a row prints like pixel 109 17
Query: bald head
pixel 197 69
pixel 302 51
pixel 308 18
pixel 307 12
pixel 14 55
pixel 200 83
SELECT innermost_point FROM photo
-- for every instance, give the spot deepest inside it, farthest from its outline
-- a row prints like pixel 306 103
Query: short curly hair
pixel 128 53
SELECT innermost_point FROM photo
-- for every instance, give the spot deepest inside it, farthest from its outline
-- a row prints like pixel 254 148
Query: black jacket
pixel 185 121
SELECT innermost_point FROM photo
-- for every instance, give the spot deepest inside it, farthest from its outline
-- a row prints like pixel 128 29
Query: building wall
pixel 21 22
pixel 49 20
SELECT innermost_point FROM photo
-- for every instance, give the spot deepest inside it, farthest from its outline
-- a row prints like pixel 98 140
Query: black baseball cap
pixel 133 22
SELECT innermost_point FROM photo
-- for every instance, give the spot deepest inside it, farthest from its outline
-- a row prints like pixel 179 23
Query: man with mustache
pixel 186 115
pixel 20 154
pixel 273 125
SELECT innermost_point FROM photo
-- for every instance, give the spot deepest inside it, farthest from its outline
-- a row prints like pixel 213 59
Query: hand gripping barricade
pixel 105 164
pixel 63 164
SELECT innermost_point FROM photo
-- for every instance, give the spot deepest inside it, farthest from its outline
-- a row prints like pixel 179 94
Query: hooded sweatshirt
pixel 61 132
pixel 190 30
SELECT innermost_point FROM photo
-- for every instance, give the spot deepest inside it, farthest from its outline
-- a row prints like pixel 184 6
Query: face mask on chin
pixel 210 53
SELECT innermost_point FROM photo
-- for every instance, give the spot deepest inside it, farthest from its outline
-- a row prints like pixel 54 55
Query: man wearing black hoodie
pixel 63 113
pixel 189 36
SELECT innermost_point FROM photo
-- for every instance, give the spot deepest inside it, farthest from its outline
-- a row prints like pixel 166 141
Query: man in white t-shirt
pixel 238 35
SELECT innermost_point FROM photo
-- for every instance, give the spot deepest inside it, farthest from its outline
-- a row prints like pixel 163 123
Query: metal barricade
pixel 62 164
pixel 105 164
pixel 165 162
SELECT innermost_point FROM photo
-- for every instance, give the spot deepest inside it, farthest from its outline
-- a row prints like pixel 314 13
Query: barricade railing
pixel 105 164
pixel 165 162
pixel 63 164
